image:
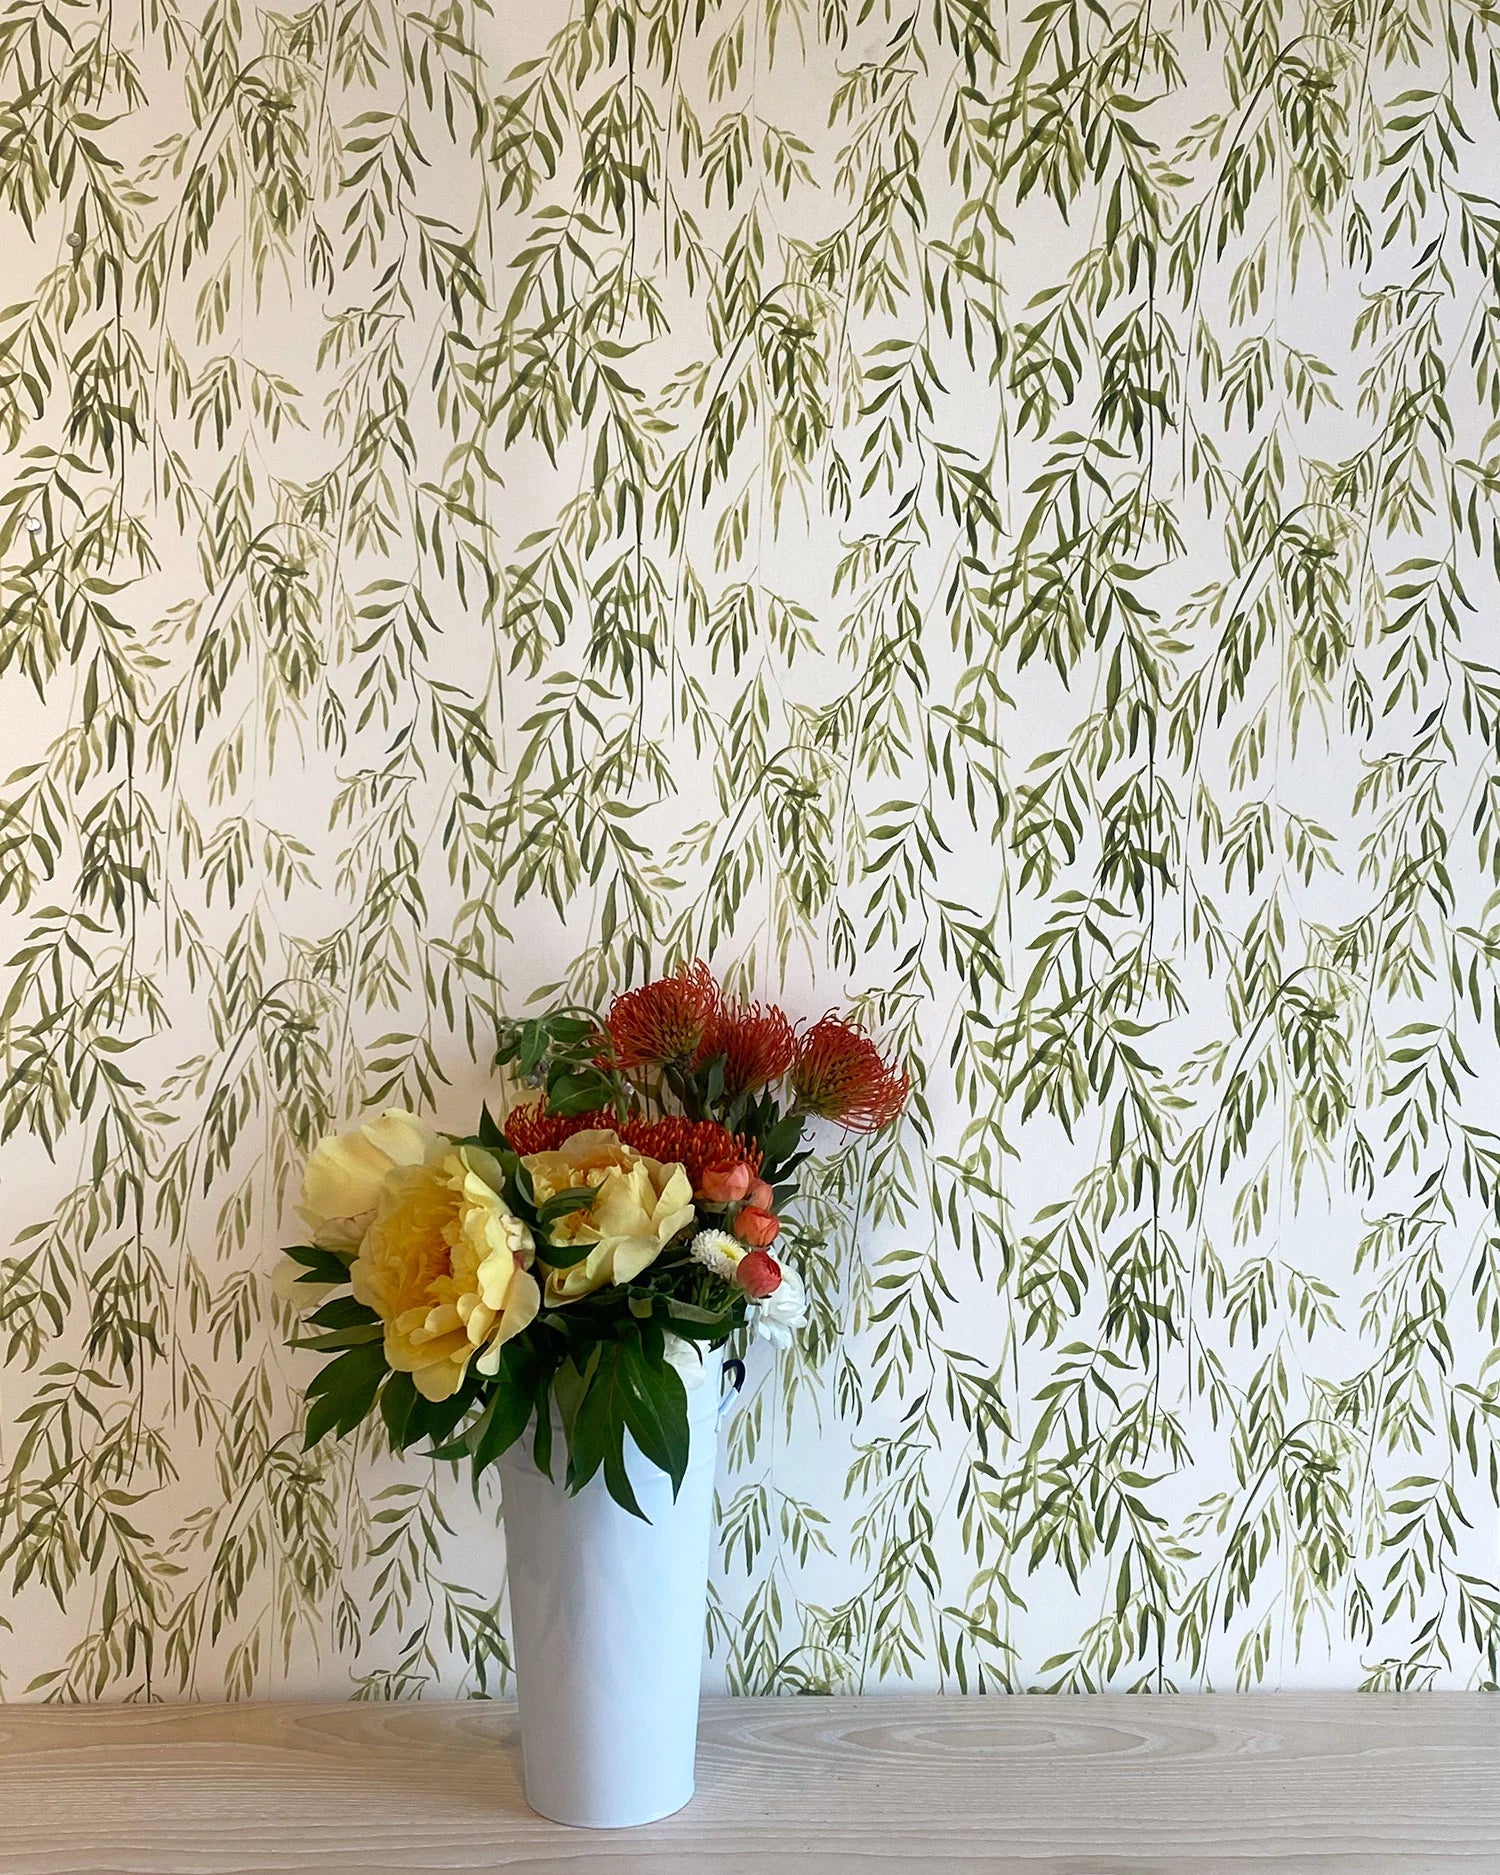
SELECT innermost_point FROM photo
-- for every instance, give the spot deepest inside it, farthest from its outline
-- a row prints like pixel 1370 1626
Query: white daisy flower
pixel 716 1250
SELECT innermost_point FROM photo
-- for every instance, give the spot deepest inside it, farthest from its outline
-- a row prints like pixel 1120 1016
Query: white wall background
pixel 993 517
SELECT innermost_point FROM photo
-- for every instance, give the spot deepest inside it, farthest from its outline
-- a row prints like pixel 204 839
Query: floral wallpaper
pixel 986 511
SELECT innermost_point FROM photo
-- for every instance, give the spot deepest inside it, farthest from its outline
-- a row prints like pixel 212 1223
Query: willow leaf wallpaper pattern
pixel 987 510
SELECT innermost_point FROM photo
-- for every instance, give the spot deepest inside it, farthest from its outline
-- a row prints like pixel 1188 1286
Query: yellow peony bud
pixel 639 1207
pixel 347 1172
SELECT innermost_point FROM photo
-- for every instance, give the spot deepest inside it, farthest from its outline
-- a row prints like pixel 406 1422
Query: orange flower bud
pixel 754 1226
pixel 727 1183
pixel 758 1274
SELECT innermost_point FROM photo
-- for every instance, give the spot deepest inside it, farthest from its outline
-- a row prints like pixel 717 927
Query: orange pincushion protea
pixel 663 1021
pixel 695 1145
pixel 532 1129
pixel 757 1042
pixel 839 1074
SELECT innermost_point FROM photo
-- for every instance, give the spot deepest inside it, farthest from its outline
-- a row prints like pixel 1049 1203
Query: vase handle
pixel 734 1379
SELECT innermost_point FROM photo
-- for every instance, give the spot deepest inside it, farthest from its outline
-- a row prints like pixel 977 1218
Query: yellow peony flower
pixel 445 1264
pixel 641 1206
pixel 347 1171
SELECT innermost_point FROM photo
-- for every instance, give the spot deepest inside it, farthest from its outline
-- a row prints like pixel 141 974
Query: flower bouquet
pixel 553 1294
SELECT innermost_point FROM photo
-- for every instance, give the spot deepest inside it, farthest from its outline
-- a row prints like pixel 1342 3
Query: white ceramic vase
pixel 607 1619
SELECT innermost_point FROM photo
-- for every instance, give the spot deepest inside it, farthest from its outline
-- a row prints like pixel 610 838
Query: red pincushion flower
pixel 662 1021
pixel 757 1041
pixel 839 1074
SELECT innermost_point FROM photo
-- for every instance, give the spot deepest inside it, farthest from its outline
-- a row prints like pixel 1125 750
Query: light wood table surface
pixel 1272 1784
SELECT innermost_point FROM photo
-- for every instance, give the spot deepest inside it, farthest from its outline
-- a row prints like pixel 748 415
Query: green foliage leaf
pixel 397 1399
pixel 343 1393
pixel 321 1266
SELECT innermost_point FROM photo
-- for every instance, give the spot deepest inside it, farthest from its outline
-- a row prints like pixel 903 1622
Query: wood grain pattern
pixel 1298 1784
